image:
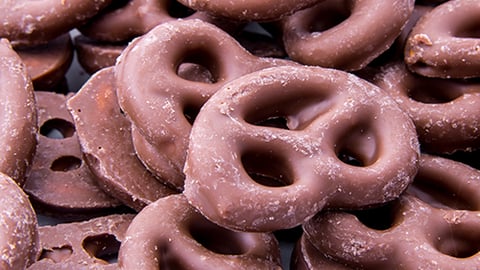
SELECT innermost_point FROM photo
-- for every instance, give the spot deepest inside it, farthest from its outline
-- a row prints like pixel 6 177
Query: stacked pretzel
pixel 196 141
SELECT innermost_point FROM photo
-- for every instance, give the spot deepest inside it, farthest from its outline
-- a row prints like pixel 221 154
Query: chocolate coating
pixel 82 245
pixel 445 111
pixel 435 225
pixel 162 106
pixel 272 148
pixel 106 142
pixel 19 230
pixel 445 42
pixel 18 114
pixel 306 257
pixel 171 234
pixel 59 181
pixel 28 23
pixel 94 55
pixel 346 34
pixel 48 63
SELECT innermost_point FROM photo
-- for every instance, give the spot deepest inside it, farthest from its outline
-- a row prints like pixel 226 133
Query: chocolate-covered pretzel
pixel 94 55
pixel 18 114
pixel 132 18
pixel 435 225
pixel 249 10
pixel 48 63
pixel 106 142
pixel 445 112
pixel 19 230
pixel 274 147
pixel 28 23
pixel 163 105
pixel 59 182
pixel 346 34
pixel 171 234
pixel 306 256
pixel 445 42
pixel 91 244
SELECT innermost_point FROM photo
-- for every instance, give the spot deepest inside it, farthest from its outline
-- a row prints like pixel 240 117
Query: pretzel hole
pixel 357 146
pixel 378 218
pixel 57 128
pixel 168 260
pixel 267 169
pixel 218 239
pixel 432 91
pixel 471 29
pixel 331 15
pixel 56 254
pixel 198 66
pixel 458 242
pixel 103 246
pixel 195 73
pixel 65 164
pixel 177 10
pixel 438 194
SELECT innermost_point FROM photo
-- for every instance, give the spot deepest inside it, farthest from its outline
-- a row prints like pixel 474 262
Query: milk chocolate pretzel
pixel 28 23
pixel 48 63
pixel 59 182
pixel 445 42
pixel 249 10
pixel 171 234
pixel 132 18
pixel 346 34
pixel 305 256
pixel 94 55
pixel 19 230
pixel 435 225
pixel 163 105
pixel 91 244
pixel 445 111
pixel 106 142
pixel 18 114
pixel 274 147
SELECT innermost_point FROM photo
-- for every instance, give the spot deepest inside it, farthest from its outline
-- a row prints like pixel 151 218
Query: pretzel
pixel 134 18
pixel 349 33
pixel 29 23
pixel 47 64
pixel 17 111
pixel 445 42
pixel 102 128
pixel 444 111
pixel 306 257
pixel 274 147
pixel 19 232
pixel 94 55
pixel 249 10
pixel 163 106
pixel 91 244
pixel 433 226
pixel 170 233
pixel 59 182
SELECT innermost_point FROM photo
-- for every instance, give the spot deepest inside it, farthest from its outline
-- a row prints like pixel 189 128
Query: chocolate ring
pixel 163 107
pixel 249 10
pixel 90 244
pixel 444 111
pixel 445 42
pixel 102 128
pixel 170 233
pixel 29 23
pixel 18 114
pixel 272 148
pixel 59 182
pixel 349 33
pixel 435 225
pixel 19 234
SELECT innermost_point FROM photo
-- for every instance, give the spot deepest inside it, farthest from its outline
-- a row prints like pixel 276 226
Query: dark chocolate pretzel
pixel 272 148
pixel 105 138
pixel 445 42
pixel 91 244
pixel 344 34
pixel 445 111
pixel 18 114
pixel 19 231
pixel 28 23
pixel 59 182
pixel 162 105
pixel 435 225
pixel 171 234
